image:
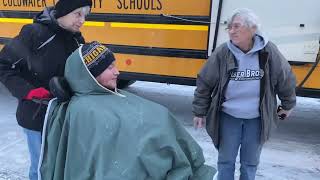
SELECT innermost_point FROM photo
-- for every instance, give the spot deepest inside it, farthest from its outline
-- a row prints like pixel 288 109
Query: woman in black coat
pixel 33 57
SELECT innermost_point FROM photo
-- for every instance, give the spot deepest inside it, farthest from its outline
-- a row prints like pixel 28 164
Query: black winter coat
pixel 31 59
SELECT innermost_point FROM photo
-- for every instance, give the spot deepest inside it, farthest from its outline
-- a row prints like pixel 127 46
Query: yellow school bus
pixel 170 40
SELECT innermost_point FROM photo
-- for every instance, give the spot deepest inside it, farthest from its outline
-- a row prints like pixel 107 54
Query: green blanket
pixel 100 134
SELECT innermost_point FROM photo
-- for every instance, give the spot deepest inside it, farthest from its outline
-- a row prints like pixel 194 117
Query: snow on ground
pixel 13 149
pixel 293 153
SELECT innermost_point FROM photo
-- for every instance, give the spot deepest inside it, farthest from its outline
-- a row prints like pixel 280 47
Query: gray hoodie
pixel 243 91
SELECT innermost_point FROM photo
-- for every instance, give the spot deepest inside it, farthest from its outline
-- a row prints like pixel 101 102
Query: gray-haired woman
pixel 236 92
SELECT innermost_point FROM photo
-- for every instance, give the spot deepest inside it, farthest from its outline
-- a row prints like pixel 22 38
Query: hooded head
pixel 97 57
pixel 64 7
pixel 100 62
pixel 91 69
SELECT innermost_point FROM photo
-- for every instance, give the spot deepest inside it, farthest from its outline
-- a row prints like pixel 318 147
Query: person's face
pixel 239 33
pixel 108 78
pixel 74 20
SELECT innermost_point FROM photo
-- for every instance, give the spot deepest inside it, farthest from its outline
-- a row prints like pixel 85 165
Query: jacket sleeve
pixel 13 58
pixel 206 81
pixel 285 86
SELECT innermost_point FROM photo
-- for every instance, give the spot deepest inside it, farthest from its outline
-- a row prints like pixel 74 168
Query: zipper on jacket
pixel 262 95
pixel 46 42
pixel 261 58
pixel 77 41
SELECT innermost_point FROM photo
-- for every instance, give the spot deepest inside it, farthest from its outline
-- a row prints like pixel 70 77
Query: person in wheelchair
pixel 101 132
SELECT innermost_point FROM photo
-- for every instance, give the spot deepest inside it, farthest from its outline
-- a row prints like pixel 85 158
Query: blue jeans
pixel 235 133
pixel 34 146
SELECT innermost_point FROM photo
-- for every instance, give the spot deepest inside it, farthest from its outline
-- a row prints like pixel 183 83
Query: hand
pixel 198 122
pixel 38 93
pixel 283 114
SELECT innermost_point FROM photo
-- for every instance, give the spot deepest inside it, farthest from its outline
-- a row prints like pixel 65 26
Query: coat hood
pixel 46 17
pixel 260 41
pixel 81 81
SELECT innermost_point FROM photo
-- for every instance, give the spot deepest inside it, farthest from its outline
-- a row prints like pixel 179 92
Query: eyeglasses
pixel 234 26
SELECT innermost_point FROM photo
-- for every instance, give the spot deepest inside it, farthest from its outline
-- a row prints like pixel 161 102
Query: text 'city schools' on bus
pixel 170 40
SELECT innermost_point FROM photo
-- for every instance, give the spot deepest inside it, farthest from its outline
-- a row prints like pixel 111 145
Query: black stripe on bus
pixel 129 18
pixel 157 78
pixel 148 51
pixel 152 51
pixel 146 18
pixel 308 92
